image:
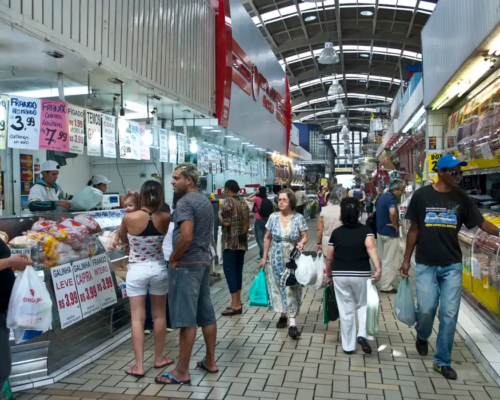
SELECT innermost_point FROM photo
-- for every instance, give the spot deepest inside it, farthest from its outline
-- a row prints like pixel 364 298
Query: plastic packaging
pixel 306 273
pixel 372 309
pixel 86 199
pixel 30 306
pixel 404 304
pixel 258 291
pixel 320 265
pixel 90 223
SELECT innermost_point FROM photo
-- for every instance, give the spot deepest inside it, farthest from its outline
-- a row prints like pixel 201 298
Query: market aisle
pixel 258 361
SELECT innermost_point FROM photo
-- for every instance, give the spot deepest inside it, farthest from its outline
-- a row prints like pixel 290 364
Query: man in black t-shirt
pixel 437 213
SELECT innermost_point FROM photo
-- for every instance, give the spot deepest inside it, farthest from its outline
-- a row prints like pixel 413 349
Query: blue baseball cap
pixel 449 161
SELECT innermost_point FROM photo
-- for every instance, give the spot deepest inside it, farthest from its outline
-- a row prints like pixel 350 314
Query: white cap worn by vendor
pixel 100 180
pixel 50 165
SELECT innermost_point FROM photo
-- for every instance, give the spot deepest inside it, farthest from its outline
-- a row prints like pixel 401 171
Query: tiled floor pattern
pixel 257 361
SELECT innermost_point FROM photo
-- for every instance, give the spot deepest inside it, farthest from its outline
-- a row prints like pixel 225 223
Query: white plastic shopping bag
pixel 30 306
pixel 320 265
pixel 86 199
pixel 372 308
pixel 306 273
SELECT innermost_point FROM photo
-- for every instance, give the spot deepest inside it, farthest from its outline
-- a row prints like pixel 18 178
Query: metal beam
pixel 339 35
pixel 348 36
pixel 375 15
pixel 270 37
pixel 362 90
pixel 410 27
pixel 299 13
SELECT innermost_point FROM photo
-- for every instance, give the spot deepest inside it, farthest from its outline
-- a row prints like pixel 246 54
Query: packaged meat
pixel 21 242
pixel 42 225
pixel 78 230
pixel 48 247
pixel 89 222
pixel 4 237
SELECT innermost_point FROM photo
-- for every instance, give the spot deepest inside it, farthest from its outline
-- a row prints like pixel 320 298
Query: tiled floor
pixel 258 361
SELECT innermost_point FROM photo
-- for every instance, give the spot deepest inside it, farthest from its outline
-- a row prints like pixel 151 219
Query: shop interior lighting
pixel 414 120
pixel 328 55
pixel 339 107
pixel 246 143
pixel 342 120
pixel 235 138
pixel 310 18
pixel 335 89
pixel 207 127
pixel 251 145
pixel 42 93
pixel 229 136
pixel 216 130
pixel 193 146
pixel 366 13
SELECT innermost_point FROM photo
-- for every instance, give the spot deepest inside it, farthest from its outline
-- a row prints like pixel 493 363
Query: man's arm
pixel 184 241
pixel 319 235
pixel 411 242
pixel 488 227
pixel 393 214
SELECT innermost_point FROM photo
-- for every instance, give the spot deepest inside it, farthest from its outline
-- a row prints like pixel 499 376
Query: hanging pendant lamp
pixel 342 120
pixel 328 55
pixel 339 107
pixel 335 88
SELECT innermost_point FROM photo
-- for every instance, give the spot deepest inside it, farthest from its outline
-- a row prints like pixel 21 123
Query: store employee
pixel 46 195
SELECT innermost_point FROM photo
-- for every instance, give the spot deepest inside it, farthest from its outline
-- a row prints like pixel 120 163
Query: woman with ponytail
pixel 350 249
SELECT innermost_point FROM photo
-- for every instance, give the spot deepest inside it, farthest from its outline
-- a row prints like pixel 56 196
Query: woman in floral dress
pixel 285 230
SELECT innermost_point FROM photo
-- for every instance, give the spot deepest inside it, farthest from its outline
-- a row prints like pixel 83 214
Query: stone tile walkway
pixel 257 361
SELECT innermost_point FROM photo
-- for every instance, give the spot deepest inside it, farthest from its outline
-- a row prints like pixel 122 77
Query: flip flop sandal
pixel 173 380
pixel 131 373
pixel 229 312
pixel 164 365
pixel 202 365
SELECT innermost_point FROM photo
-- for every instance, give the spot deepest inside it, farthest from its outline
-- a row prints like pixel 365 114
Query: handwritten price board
pixel 163 135
pixel 109 136
pixel 76 116
pixel 102 275
pixel 86 287
pixel 93 126
pixel 67 298
pixel 54 126
pixel 135 140
pixel 146 141
pixel 24 123
pixel 4 108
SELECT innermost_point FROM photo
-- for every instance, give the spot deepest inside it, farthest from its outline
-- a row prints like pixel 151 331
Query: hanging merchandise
pixel 76 116
pixel 181 147
pixel 4 108
pixel 172 146
pixel 163 135
pixel 54 126
pixel 24 123
pixel 109 136
pixel 146 139
pixel 93 126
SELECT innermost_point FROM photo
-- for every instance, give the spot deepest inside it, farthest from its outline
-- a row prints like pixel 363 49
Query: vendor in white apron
pixel 46 195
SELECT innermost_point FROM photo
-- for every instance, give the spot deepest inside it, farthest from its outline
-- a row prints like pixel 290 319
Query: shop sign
pixel 432 160
pixel 172 147
pixel 4 108
pixel 93 126
pixel 24 123
pixel 181 147
pixel 86 287
pixel 146 141
pixel 109 136
pixel 105 285
pixel 54 126
pixel 76 129
pixel 163 137
pixel 67 299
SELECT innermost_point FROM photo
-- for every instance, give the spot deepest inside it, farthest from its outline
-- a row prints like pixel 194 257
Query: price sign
pixel 163 134
pixel 76 116
pixel 54 126
pixel 109 136
pixel 433 159
pixel 146 141
pixel 104 282
pixel 86 287
pixel 67 298
pixel 135 140
pixel 172 146
pixel 124 138
pixel 181 147
pixel 4 107
pixel 24 123
pixel 93 126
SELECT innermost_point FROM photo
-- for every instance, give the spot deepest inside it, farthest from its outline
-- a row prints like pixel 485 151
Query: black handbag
pixel 332 307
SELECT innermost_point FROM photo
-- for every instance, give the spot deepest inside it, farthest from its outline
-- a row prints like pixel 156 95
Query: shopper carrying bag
pixel 404 304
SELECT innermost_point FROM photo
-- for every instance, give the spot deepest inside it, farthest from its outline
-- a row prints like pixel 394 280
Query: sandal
pixel 173 380
pixel 229 312
pixel 167 363
pixel 202 365
pixel 131 373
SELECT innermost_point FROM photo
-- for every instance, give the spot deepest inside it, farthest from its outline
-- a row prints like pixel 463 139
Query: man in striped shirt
pixel 46 194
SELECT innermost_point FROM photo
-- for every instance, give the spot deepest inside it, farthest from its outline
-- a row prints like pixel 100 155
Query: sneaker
pixel 170 330
pixel 392 291
pixel 446 371
pixel 365 346
pixel 281 324
pixel 422 346
pixel 349 353
pixel 147 331
pixel 293 332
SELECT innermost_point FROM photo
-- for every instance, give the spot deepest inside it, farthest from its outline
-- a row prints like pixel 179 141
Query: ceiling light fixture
pixel 342 121
pixel 310 18
pixel 216 130
pixel 366 13
pixel 193 146
pixel 235 138
pixel 364 55
pixel 207 127
pixel 328 55
pixel 54 54
pixel 229 136
pixel 38 94
pixel 339 107
pixel 335 89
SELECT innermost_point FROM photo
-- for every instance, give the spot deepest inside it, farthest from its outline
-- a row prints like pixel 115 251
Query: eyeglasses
pixel 454 173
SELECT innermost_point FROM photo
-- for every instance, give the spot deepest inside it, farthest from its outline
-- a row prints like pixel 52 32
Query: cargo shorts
pixel 190 305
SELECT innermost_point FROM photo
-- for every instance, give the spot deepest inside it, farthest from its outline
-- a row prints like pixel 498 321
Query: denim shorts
pixel 189 299
pixel 147 277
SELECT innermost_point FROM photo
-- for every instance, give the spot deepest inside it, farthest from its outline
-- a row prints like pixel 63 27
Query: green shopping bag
pixel 330 307
pixel 258 291
pixel 7 393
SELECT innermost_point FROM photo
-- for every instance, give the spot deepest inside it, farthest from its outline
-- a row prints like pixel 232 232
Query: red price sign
pixel 66 295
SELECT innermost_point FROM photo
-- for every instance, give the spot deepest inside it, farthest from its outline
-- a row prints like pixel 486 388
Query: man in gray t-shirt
pixel 194 206
pixel 190 305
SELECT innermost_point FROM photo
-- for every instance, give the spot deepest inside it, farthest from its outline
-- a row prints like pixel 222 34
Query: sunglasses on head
pixel 453 173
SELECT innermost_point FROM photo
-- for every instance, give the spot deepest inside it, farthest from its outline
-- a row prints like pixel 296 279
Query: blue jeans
pixel 259 228
pixel 233 261
pixel 431 283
